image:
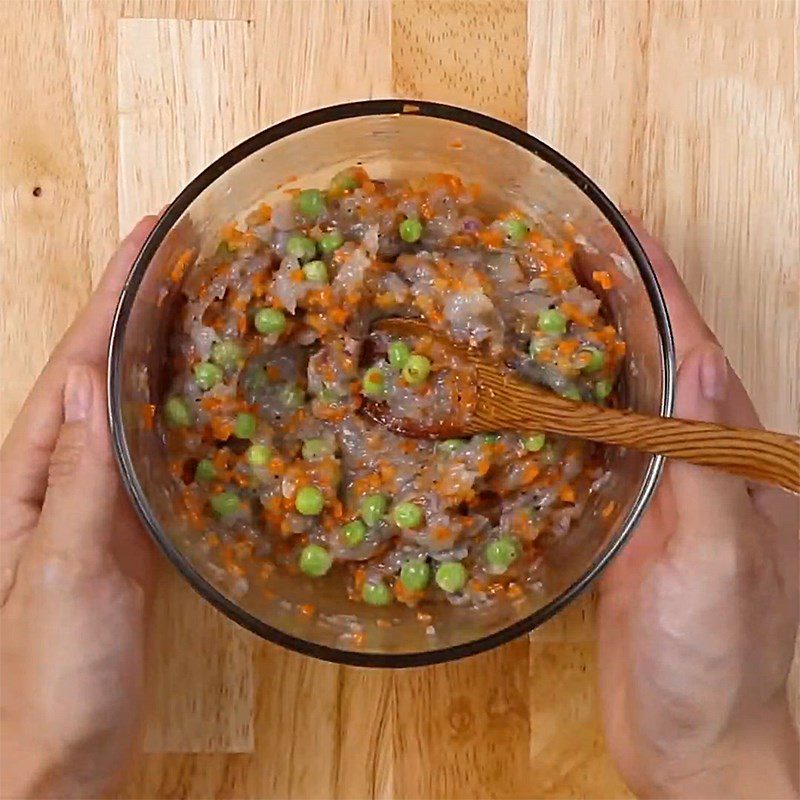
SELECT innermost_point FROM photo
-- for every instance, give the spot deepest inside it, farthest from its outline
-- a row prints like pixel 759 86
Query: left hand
pixel 75 573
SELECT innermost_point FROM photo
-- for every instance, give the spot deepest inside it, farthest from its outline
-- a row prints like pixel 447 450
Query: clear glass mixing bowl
pixel 390 138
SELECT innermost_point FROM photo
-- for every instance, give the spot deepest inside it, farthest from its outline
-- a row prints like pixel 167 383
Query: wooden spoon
pixel 499 400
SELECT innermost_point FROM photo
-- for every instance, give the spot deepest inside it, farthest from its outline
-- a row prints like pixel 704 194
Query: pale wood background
pixel 683 110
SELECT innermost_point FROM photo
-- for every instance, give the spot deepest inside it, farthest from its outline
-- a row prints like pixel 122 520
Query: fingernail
pixel 714 374
pixel 77 395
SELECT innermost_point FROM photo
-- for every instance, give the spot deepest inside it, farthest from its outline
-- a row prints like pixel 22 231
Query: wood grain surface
pixel 684 110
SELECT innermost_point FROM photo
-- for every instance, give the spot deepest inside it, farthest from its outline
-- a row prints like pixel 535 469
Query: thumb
pixel 78 511
pixel 709 390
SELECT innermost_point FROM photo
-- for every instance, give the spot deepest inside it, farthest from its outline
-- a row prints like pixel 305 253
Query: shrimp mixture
pixel 272 356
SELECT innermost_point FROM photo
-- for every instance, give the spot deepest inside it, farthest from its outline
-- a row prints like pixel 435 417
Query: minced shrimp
pixel 272 357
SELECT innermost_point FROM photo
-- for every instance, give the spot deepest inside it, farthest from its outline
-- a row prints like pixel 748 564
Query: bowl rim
pixel 310 119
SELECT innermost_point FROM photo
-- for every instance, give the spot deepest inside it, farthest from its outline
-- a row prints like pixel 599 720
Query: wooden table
pixel 684 110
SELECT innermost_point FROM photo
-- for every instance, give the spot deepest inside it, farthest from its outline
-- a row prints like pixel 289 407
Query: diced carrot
pixel 531 473
pixel 148 412
pixel 571 311
pixel 359 577
pixel 406 595
pixel 339 315
pixel 181 264
pixel 260 215
pixel 491 237
pixel 221 428
pixel 603 279
pixel 608 509
pixel 607 334
pixel 441 533
pixel 387 470
pixel 462 240
pixel 513 591
pixel 276 466
pixel 567 494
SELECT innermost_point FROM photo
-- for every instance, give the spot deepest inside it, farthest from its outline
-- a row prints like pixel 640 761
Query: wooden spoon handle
pixel 761 455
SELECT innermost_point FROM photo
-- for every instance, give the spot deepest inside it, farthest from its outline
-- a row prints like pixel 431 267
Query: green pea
pixel 245 425
pixel 331 241
pixel 292 396
pixel 227 354
pixel 225 504
pixel 592 358
pixel 410 230
pixel 258 455
pixel 515 229
pixel 328 396
pixel 373 508
pixel 398 353
pixel 451 576
pixel 309 501
pixel 376 593
pixel 176 410
pixel 315 448
pixel 354 532
pixel 571 393
pixel 489 438
pixel 450 446
pixel 207 375
pixel 416 370
pixel 408 515
pixel 301 247
pixel 311 203
pixel 205 470
pixel 602 389
pixel 316 271
pixel 373 383
pixel 415 574
pixel 534 442
pixel 315 560
pixel 269 320
pixel 502 553
pixel 345 181
pixel 539 344
pixel 552 321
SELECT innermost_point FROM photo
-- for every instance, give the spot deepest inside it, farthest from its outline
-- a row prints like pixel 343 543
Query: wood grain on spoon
pixel 502 401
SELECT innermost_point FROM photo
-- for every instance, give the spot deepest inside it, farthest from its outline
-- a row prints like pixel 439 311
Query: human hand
pixel 75 573
pixel 698 615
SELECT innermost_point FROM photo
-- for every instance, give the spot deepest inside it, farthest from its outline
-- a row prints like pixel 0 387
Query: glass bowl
pixel 390 138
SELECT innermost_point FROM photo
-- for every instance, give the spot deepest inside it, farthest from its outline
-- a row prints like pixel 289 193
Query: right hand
pixel 699 613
